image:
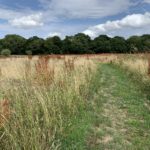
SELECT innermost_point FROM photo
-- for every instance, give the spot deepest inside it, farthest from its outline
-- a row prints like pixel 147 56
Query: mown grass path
pixel 122 112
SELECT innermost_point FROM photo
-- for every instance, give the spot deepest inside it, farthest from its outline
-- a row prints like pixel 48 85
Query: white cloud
pixel 130 21
pixel 85 8
pixel 55 14
pixel 25 19
pixel 147 1
pixel 56 10
pixel 9 14
pixel 34 20
pixel 52 34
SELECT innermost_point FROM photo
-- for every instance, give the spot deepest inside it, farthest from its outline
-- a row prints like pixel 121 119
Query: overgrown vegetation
pixel 77 44
pixel 44 108
pixel 75 102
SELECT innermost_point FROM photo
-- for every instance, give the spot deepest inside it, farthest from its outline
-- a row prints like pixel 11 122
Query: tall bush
pixel 6 52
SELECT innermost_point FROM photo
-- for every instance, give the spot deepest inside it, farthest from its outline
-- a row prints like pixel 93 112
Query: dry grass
pixel 44 94
pixel 138 63
pixel 4 112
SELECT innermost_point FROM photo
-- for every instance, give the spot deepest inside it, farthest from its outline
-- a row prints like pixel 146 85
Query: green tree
pixel 78 44
pixel 101 44
pixel 82 42
pixel 35 45
pixel 146 42
pixel 135 44
pixel 15 43
pixel 118 45
pixel 53 45
pixel 1 45
pixel 67 45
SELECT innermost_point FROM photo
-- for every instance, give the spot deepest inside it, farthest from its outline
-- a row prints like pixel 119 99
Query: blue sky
pixel 46 18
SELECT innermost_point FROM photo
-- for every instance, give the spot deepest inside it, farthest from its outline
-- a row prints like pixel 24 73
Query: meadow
pixel 75 102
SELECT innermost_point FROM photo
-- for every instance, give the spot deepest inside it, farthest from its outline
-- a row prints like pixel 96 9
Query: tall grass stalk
pixel 42 114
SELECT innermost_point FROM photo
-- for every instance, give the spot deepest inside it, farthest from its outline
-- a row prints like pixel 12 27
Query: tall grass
pixel 134 63
pixel 138 67
pixel 149 65
pixel 43 101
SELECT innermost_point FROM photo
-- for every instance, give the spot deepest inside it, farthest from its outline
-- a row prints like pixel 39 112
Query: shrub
pixel 29 52
pixel 5 52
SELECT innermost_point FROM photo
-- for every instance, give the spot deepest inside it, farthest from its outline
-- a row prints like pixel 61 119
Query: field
pixel 75 102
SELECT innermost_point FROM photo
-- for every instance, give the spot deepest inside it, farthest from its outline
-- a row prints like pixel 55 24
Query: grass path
pixel 122 113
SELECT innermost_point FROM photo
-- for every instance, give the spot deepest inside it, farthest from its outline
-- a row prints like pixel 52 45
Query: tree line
pixel 77 44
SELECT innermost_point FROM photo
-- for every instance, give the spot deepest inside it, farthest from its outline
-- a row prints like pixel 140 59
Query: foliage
pixel 15 43
pixel 29 52
pixel 135 44
pixel 77 44
pixel 101 44
pixel 53 45
pixel 118 45
pixel 35 44
pixel 5 52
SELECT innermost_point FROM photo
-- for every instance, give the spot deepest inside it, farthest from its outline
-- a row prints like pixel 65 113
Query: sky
pixel 46 18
